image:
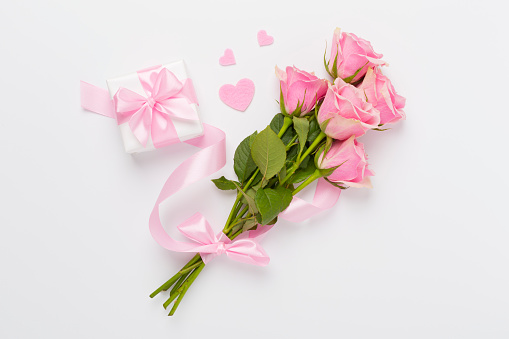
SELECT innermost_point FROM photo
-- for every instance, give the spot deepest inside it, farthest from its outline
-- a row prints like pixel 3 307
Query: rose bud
pixel 381 94
pixel 345 112
pixel 352 161
pixel 299 89
pixel 351 57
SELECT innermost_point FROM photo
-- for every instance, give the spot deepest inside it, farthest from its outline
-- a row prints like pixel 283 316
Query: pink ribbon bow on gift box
pixel 244 248
pixel 166 98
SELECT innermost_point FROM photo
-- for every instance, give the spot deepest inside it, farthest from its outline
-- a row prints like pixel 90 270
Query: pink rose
pixel 300 88
pixel 347 112
pixel 353 56
pixel 352 161
pixel 382 96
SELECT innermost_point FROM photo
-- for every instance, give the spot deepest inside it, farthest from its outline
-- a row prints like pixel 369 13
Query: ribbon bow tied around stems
pixel 166 98
pixel 244 249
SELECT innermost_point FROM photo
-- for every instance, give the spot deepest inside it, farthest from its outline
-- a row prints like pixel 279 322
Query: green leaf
pixel 269 203
pixel 286 197
pixel 288 135
pixel 272 222
pixel 268 152
pixel 257 179
pixel 237 226
pixel 261 184
pixel 248 199
pixel 243 163
pixel 282 174
pixel 272 181
pixel 303 174
pixel 304 162
pixel 224 184
pixel 277 123
pixel 292 153
pixel 249 224
pixel 314 130
pixel 301 126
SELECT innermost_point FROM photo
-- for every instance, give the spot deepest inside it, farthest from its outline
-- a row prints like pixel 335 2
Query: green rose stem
pixel 169 283
pixel 186 276
pixel 311 148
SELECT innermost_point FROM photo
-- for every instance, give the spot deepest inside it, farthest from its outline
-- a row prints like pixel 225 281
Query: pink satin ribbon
pixel 97 100
pixel 244 248
pixel 210 159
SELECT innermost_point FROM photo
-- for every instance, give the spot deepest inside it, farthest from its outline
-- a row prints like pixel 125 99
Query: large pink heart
pixel 239 96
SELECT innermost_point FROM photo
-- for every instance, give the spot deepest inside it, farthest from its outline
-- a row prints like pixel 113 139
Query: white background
pixel 422 255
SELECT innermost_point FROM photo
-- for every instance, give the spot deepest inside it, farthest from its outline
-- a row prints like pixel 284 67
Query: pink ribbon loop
pixel 151 116
pixel 326 196
pixel 209 245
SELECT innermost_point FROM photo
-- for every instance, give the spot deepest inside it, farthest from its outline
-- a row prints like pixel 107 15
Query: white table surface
pixel 422 255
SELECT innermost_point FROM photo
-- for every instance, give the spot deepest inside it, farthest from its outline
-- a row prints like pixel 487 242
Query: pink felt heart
pixel 239 96
pixel 264 39
pixel 228 58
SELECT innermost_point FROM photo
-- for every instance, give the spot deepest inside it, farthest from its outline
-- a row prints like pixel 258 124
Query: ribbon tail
pixel 140 124
pixel 97 100
pixel 248 251
pixel 197 228
pixel 163 130
pixel 325 197
pixel 209 160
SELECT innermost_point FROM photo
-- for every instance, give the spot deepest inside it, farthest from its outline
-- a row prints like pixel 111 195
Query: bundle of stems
pixel 301 137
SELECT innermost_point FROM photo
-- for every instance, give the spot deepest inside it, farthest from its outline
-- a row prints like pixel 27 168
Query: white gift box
pixel 186 129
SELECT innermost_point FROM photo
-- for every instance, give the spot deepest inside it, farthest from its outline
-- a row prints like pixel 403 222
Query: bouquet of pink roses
pixel 314 136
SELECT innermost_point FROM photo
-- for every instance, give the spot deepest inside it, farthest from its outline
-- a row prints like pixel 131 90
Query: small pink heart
pixel 264 39
pixel 228 58
pixel 239 96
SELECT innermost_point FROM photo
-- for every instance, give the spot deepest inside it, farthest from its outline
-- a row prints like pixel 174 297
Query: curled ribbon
pixel 151 115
